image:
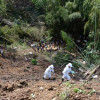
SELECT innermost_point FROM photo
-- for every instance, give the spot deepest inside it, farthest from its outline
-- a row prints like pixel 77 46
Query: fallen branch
pixel 86 73
pixel 92 72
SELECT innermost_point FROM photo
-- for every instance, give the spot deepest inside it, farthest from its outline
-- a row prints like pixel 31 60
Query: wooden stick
pixel 93 71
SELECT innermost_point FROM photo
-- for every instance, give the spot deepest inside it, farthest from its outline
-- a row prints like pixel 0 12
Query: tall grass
pixel 90 56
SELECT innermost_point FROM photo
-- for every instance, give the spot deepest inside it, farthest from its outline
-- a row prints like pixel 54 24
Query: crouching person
pixel 66 72
pixel 47 73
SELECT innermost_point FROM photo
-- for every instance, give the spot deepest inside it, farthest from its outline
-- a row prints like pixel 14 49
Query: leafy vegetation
pixel 61 58
pixel 63 95
pixel 78 90
pixel 73 21
pixel 34 61
pixel 91 92
pixel 69 12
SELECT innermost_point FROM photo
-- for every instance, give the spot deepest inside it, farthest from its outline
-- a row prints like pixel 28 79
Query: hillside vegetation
pixel 75 17
pixel 37 33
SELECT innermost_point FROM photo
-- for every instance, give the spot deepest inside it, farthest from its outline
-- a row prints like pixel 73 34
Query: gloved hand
pixel 73 72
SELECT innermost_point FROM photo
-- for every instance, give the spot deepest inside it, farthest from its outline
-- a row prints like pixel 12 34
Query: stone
pixel 41 88
pixel 54 98
pixel 10 87
pixel 24 83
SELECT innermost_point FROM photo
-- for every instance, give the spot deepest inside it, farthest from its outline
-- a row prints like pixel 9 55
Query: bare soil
pixel 20 80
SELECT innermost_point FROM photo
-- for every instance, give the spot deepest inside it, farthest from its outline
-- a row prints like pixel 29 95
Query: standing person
pixel 50 49
pixel 57 44
pixel 43 45
pixel 38 48
pixel 42 41
pixel 29 43
pixel 47 73
pixel 61 43
pixel 41 49
pixel 46 46
pixel 1 51
pixel 53 45
pixel 66 72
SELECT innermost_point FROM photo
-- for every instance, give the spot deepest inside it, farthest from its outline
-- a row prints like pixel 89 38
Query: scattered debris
pixel 94 76
pixel 84 62
pixel 30 53
pixel 33 95
pixel 82 70
pixel 92 72
pixel 50 89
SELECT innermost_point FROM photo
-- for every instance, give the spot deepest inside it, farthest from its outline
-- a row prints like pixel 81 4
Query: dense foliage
pixel 79 19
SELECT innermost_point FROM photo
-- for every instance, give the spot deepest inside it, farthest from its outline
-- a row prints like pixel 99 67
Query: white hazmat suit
pixel 47 73
pixel 66 72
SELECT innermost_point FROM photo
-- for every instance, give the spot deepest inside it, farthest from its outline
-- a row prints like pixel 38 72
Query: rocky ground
pixel 20 80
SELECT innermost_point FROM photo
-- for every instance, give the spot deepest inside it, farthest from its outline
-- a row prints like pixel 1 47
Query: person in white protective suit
pixel 66 72
pixel 47 73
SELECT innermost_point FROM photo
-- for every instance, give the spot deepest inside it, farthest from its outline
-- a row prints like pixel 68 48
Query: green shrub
pixel 77 90
pixel 18 32
pixel 9 34
pixel 61 58
pixel 34 61
pixel 91 92
pixel 63 95
pixel 35 33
